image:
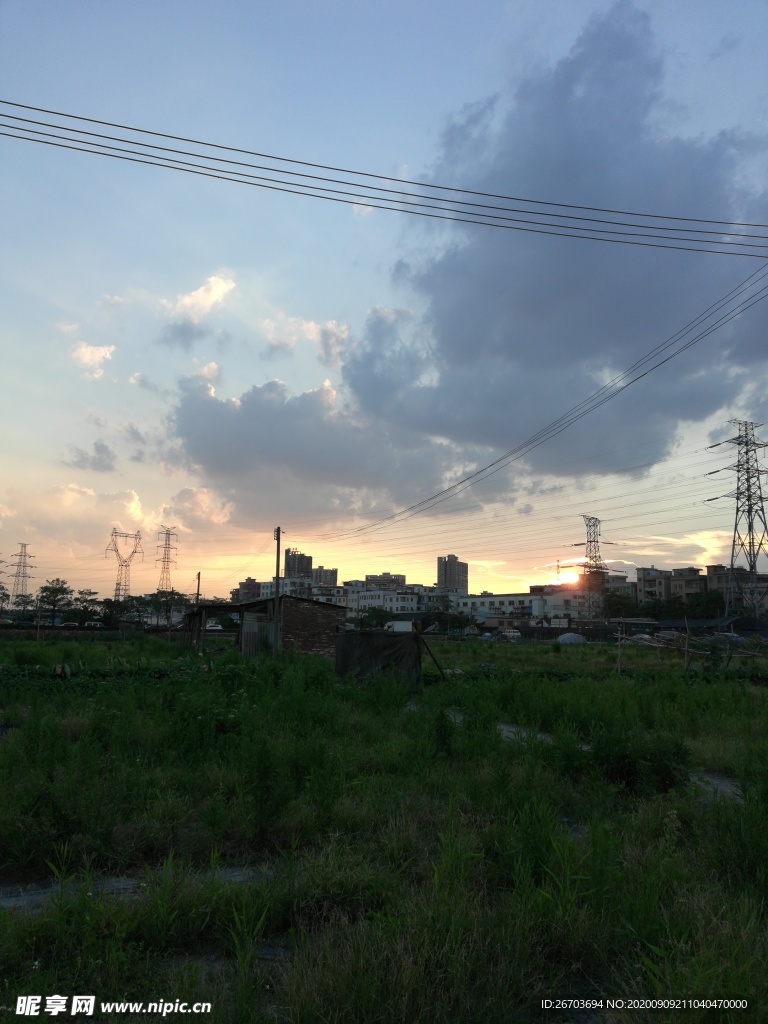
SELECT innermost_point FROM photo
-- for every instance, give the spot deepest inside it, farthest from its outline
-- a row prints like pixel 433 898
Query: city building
pixel 323 577
pixel 452 575
pixel 384 580
pixel 248 590
pixel 718 578
pixel 686 582
pixel 653 584
pixel 297 564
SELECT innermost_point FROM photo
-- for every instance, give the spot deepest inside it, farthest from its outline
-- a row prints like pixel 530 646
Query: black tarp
pixel 365 654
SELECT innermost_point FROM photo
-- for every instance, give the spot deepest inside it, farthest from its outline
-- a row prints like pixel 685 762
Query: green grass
pixel 417 866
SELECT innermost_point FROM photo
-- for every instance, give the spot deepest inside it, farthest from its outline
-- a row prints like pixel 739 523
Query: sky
pixel 221 359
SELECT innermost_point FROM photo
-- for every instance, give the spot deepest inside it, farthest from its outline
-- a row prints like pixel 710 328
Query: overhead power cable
pixel 432 201
pixel 609 391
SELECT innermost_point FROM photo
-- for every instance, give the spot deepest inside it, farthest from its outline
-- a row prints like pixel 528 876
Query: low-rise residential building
pixel 621 586
pixel 653 584
pixel 385 580
pixel 686 582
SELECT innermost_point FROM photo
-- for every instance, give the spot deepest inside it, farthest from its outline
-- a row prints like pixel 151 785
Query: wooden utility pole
pixel 276 638
pixel 197 595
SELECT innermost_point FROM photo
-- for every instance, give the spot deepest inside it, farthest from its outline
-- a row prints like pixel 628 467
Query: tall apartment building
pixel 452 575
pixel 296 564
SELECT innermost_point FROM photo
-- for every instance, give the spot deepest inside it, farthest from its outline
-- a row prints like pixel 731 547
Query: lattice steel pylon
pixel 20 577
pixel 750 532
pixel 123 584
pixel 595 569
pixel 165 570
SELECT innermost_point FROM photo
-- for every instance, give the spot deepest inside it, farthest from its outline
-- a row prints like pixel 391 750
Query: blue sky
pixel 221 359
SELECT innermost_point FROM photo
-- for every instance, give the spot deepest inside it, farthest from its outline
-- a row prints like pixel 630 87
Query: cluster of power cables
pixel 439 202
pixel 751 291
pixel 363 188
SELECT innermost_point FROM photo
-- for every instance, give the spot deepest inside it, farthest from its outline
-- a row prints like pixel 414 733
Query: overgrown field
pixel 412 863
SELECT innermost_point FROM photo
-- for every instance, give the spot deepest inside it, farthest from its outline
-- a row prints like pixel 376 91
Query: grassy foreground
pixel 415 865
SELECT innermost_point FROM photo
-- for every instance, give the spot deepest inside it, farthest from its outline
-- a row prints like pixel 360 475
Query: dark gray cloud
pixel 519 328
pixel 101 460
pixel 306 450
pixel 183 333
pixel 507 331
pixel 729 42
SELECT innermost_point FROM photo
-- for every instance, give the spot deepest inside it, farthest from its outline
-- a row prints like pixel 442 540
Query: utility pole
pixel 276 639
pixel 123 584
pixel 750 531
pixel 197 595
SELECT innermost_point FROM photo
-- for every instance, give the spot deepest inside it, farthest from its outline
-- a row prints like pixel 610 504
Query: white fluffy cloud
pixel 90 357
pixel 202 300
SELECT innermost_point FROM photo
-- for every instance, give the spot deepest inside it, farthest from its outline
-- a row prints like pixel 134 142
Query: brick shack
pixel 306 626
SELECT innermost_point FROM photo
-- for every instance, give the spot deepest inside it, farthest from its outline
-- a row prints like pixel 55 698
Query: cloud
pixel 283 333
pixel 210 372
pixel 186 328
pixel 90 357
pixel 102 460
pixel 198 303
pixel 268 448
pixel 197 508
pixel 141 380
pixel 183 333
pixel 727 44
pixel 333 341
pixel 507 331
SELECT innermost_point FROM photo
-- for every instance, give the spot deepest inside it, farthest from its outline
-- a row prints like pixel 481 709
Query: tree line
pixel 56 599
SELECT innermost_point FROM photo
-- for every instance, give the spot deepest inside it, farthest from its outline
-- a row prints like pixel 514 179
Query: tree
pixel 375 618
pixel 617 606
pixel 87 604
pixel 4 596
pixel 706 606
pixel 23 601
pixel 55 596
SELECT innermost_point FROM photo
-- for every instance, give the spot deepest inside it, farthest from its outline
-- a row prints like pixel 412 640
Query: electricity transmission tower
pixel 750 532
pixel 165 570
pixel 123 584
pixel 595 569
pixel 20 577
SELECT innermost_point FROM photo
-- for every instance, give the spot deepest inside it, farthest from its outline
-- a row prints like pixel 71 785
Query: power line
pixel 374 175
pixel 604 394
pixel 400 200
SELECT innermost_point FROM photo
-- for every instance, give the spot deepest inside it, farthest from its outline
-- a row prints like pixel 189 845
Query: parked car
pixel 68 625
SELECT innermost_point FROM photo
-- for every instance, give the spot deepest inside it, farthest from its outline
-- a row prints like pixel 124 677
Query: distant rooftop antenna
pixel 123 584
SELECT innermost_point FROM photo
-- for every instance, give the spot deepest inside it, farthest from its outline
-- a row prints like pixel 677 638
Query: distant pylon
pixel 123 584
pixel 165 571
pixel 750 532
pixel 20 577
pixel 595 569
